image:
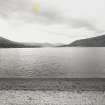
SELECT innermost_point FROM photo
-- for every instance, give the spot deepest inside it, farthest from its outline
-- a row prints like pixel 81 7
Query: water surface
pixel 53 62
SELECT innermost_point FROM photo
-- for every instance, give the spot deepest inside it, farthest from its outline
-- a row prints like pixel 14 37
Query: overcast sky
pixel 55 21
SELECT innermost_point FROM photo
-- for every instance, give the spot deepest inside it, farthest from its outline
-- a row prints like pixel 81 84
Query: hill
pixel 89 42
pixel 5 43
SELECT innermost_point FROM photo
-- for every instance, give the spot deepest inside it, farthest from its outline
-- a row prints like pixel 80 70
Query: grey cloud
pixel 20 8
pixel 10 7
pixel 79 23
pixel 73 22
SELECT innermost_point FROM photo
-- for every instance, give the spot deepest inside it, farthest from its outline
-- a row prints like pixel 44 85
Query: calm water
pixel 52 62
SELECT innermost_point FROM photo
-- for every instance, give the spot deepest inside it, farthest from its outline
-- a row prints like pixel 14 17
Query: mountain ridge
pixel 6 43
pixel 98 41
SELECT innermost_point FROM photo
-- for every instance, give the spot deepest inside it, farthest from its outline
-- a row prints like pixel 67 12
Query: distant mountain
pixel 5 43
pixel 89 42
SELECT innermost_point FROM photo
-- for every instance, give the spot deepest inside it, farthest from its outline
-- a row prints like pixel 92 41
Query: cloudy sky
pixel 55 21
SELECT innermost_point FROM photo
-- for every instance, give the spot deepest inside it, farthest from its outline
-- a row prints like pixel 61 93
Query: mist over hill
pixel 5 43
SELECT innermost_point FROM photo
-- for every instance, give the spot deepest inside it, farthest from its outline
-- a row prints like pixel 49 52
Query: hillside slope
pixel 5 43
pixel 89 42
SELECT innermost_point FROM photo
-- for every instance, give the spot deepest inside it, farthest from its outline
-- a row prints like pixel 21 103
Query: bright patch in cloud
pixel 36 7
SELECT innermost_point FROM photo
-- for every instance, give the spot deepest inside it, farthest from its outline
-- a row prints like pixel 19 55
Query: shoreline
pixel 53 84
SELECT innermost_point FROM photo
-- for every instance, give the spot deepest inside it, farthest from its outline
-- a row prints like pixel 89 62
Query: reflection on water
pixel 52 62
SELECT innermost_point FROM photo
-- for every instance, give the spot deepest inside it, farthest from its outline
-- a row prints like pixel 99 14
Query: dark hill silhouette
pixel 98 41
pixel 5 43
